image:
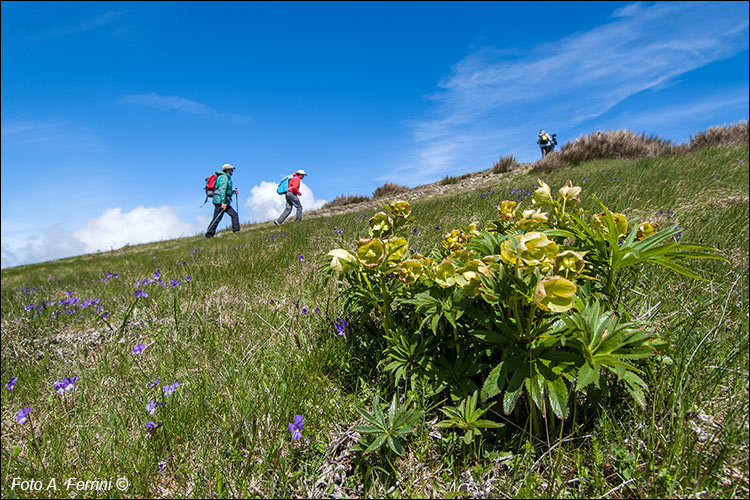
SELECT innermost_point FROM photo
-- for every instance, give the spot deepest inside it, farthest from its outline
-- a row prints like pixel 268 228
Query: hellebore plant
pixel 530 306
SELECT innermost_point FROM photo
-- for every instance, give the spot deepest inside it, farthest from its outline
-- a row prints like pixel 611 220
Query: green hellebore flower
pixel 531 249
pixel 370 252
pixel 454 240
pixel 342 260
pixel 468 277
pixel 506 210
pixel 543 194
pixel 531 219
pixel 401 209
pixel 555 294
pixel 645 230
pixel 445 274
pixel 621 223
pixel 396 248
pixel 380 225
pixel 409 271
pixel 569 262
pixel 570 192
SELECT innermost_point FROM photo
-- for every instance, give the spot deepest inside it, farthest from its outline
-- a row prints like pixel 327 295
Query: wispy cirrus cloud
pixel 58 134
pixel 181 104
pixel 566 84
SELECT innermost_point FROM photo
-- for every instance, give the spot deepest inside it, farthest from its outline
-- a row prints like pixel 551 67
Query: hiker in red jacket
pixel 292 198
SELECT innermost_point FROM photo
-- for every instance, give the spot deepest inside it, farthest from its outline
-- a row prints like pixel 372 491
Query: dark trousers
pixel 292 200
pixel 218 214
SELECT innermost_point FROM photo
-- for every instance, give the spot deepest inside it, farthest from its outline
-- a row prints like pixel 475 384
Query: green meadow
pixel 194 356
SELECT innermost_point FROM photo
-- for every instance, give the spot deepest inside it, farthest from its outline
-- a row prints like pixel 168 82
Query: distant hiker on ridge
pixel 289 187
pixel 222 200
pixel 546 142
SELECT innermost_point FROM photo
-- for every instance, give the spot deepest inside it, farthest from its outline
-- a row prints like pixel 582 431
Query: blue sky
pixel 113 113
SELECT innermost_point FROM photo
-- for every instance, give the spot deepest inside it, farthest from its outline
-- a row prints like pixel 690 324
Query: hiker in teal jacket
pixel 222 200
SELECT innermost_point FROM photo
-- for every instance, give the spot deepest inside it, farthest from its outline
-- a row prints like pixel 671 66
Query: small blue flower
pixel 138 348
pixel 340 325
pixel 11 383
pixel 152 426
pixel 23 415
pixel 169 389
pixel 152 406
pixel 296 427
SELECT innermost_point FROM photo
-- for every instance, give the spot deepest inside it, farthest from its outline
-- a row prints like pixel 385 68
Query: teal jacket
pixel 223 188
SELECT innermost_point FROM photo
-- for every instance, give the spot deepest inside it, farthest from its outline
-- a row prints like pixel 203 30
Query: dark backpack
pixel 210 187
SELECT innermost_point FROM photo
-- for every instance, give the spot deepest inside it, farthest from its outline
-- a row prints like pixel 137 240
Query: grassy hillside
pixel 241 333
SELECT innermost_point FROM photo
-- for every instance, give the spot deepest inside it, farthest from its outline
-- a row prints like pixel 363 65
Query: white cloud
pixel 112 230
pixel 564 85
pixel 265 204
pixel 176 103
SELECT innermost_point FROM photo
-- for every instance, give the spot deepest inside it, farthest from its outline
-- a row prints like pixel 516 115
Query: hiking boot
pixel 276 223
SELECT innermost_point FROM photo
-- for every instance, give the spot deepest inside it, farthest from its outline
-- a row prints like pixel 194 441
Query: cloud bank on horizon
pixel 114 228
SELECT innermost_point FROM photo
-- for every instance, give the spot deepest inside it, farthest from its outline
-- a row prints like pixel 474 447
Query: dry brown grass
pixel 505 164
pixel 627 144
pixel 725 135
pixel 348 199
pixel 388 189
pixel 601 145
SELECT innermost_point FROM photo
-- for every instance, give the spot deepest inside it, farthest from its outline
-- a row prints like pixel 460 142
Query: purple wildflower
pixel 154 383
pixel 188 278
pixel 296 427
pixel 66 384
pixel 304 311
pixel 169 389
pixel 316 310
pixel 678 235
pixel 138 348
pixel 152 426
pixel 340 325
pixel 152 406
pixel 23 415
pixel 141 293
pixel 301 258
pixel 11 383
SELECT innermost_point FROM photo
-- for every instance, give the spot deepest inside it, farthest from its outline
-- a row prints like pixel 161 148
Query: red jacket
pixel 294 185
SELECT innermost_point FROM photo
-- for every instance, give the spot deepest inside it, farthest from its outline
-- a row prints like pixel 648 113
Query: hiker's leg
pixel 287 210
pixel 218 214
pixel 298 205
pixel 235 218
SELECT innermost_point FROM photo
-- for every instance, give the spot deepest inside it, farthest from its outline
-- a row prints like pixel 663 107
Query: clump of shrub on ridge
pixel 388 189
pixel 505 164
pixel 348 199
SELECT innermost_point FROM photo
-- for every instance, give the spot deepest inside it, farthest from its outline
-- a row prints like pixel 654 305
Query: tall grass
pixel 250 339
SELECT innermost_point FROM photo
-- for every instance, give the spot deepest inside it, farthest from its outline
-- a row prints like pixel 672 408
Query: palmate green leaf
pixel 496 380
pixel 379 418
pixel 587 374
pixel 375 445
pixel 514 389
pixel 558 396
pixel 367 429
pixel 369 417
pixel 395 445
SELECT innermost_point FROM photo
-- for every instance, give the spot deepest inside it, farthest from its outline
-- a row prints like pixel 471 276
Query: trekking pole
pixel 237 202
pixel 215 219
